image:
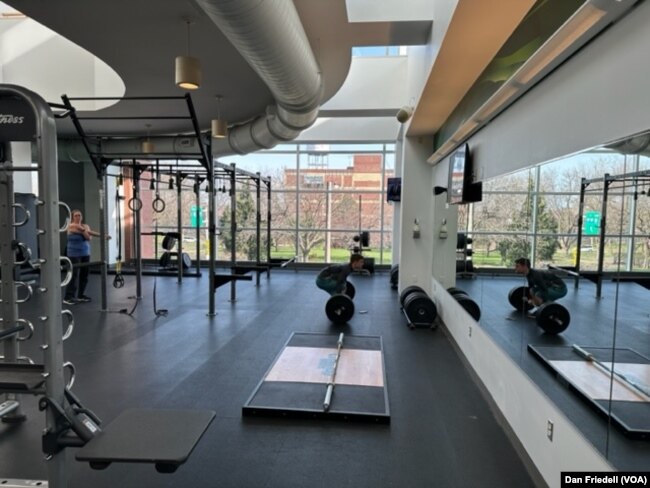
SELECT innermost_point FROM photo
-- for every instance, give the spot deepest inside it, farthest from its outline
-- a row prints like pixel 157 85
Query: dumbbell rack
pixel 464 264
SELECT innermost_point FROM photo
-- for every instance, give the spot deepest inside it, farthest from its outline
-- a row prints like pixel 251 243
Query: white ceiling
pixel 140 39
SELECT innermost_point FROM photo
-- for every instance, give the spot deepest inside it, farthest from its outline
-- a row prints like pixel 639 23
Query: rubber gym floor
pixel 442 431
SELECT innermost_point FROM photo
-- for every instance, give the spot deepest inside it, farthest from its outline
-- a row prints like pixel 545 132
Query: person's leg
pixel 83 277
pixel 327 285
pixel 556 293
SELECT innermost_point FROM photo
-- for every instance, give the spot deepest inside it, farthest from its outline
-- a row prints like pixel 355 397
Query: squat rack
pixel 609 182
pixel 101 159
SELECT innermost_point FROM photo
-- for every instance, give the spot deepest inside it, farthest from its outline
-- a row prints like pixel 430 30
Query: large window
pixel 535 213
pixel 322 196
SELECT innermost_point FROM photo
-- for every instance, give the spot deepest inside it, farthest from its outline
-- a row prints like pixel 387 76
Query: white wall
pixel 599 95
pixel 417 195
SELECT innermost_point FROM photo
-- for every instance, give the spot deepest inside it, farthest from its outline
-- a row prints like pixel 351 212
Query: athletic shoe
pixel 83 298
pixel 69 301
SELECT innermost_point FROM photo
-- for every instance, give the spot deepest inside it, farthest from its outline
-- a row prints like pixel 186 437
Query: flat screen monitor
pixel 394 189
pixel 458 174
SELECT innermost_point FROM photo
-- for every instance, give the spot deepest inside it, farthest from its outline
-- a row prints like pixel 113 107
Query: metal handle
pixel 26 359
pixel 73 372
pixel 24 250
pixel 68 276
pixel 30 330
pixel 68 331
pixel 68 218
pixel 27 215
pixel 29 291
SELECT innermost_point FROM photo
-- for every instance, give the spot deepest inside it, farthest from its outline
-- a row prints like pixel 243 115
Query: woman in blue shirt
pixel 78 250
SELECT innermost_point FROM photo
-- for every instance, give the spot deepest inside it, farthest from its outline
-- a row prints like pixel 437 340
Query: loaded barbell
pixel 340 307
pixel 552 317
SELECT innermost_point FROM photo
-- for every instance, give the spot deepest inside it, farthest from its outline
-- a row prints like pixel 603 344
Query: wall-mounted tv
pixel 459 174
pixel 393 189
pixel 460 188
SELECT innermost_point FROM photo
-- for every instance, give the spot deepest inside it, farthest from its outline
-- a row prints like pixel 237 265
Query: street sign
pixel 196 216
pixel 591 223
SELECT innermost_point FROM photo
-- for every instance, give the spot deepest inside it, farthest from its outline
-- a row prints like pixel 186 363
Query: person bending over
pixel 333 278
pixel 543 286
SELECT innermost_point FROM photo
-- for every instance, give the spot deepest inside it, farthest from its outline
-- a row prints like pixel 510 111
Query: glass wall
pixel 323 195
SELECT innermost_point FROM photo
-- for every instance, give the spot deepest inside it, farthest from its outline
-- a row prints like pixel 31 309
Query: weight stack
pixel 464 300
pixel 418 308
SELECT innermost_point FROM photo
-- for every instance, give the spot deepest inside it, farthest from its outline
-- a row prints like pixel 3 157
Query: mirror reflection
pixel 586 219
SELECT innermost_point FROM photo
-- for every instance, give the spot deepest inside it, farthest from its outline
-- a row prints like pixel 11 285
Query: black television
pixel 394 189
pixel 460 175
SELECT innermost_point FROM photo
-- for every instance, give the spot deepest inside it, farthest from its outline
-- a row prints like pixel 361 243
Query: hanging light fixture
pixel 147 146
pixel 188 68
pixel 219 125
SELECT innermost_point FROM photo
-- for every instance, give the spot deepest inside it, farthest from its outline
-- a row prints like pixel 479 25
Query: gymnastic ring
pixel 26 252
pixel 135 204
pixel 73 371
pixel 27 215
pixel 158 205
pixel 68 218
pixel 68 276
pixel 70 328
pixel 30 328
pixel 29 291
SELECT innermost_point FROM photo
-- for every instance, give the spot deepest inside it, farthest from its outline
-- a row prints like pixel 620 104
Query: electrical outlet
pixel 549 430
pixel 470 331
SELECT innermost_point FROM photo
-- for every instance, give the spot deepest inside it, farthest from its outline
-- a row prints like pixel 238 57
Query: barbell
pixel 552 317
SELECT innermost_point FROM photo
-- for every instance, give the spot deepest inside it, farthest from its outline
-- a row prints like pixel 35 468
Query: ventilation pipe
pixel 270 37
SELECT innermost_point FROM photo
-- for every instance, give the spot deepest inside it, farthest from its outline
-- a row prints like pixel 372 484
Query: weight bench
pixel 259 269
pixel 222 279
pixel 162 437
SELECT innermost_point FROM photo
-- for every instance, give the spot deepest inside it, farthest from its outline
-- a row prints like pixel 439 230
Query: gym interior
pixel 219 179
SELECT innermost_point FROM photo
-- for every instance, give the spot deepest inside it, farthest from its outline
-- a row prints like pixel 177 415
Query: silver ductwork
pixel 270 37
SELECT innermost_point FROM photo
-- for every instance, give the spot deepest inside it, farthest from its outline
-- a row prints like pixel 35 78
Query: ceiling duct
pixel 270 37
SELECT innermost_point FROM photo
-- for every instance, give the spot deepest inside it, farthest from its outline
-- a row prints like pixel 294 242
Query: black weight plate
pixel 420 309
pixel 394 276
pixel 349 290
pixel 553 318
pixel 470 306
pixel 453 291
pixel 186 260
pixel 407 291
pixel 516 298
pixel 339 309
pixel 165 260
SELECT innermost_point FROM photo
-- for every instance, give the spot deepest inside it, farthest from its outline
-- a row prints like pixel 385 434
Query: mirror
pixel 598 369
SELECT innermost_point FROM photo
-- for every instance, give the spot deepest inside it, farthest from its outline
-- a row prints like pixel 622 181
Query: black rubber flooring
pixel 442 431
pixel 620 318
